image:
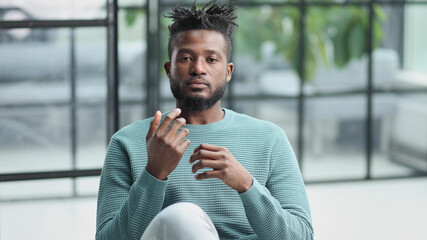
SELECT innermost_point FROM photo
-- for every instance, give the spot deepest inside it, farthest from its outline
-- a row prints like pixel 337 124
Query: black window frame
pixel 153 9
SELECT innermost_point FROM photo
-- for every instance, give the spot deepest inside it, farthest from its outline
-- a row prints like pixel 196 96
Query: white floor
pixel 389 209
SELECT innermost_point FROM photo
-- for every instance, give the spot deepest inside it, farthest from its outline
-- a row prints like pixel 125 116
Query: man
pixel 201 171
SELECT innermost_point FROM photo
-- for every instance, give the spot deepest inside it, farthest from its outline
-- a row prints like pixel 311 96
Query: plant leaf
pixel 131 17
pixel 356 41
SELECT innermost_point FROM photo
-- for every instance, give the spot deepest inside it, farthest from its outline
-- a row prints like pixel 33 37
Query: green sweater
pixel 275 207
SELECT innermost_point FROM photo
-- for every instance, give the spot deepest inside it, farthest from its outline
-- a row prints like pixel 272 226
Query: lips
pixel 197 82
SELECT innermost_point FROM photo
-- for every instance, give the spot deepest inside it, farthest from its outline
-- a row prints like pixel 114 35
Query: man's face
pixel 198 70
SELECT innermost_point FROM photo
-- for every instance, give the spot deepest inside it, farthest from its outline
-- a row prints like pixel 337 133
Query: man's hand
pixel 224 165
pixel 164 146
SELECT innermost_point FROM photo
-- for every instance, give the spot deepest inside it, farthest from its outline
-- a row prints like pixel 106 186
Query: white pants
pixel 181 221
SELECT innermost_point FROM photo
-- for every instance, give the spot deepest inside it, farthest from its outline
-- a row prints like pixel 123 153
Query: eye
pixel 184 59
pixel 212 60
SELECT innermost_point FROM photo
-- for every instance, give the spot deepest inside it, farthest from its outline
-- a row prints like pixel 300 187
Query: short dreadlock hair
pixel 210 17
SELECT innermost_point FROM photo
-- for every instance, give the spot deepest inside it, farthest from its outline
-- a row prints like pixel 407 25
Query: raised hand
pixel 224 165
pixel 165 146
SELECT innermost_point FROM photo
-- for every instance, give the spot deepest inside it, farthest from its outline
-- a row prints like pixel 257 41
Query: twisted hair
pixel 210 17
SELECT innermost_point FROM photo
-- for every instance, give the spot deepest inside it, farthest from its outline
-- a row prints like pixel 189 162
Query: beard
pixel 196 103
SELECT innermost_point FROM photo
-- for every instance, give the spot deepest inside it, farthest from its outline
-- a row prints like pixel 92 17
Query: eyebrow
pixel 187 50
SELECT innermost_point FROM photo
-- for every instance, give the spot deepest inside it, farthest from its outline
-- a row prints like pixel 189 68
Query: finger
pixel 206 163
pixel 208 174
pixel 203 154
pixel 177 124
pixel 208 147
pixel 197 149
pixel 184 145
pixel 181 135
pixel 153 125
pixel 168 119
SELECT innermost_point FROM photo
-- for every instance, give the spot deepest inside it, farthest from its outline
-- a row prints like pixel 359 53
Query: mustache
pixel 199 80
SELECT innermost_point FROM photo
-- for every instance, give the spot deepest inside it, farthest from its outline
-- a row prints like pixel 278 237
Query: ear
pixel 167 67
pixel 230 68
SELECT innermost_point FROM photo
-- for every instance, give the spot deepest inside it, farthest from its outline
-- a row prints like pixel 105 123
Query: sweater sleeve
pixel 125 208
pixel 280 209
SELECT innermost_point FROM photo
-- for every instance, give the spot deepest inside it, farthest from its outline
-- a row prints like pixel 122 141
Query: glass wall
pixel 346 81
pixel 54 91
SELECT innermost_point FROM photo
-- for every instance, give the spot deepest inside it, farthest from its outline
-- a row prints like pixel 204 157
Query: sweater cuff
pixel 253 195
pixel 151 184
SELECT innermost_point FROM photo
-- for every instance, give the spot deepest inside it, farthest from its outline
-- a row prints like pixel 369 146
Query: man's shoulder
pixel 246 121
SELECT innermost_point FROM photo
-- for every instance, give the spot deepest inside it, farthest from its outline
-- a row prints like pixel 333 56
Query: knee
pixel 182 221
pixel 180 213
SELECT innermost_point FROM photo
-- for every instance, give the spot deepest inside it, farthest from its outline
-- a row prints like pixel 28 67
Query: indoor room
pixel 346 81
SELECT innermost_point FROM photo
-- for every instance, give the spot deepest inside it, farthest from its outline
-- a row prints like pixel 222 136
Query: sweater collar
pixel 211 127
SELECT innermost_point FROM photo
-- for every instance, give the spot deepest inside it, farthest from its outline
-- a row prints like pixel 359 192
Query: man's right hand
pixel 164 146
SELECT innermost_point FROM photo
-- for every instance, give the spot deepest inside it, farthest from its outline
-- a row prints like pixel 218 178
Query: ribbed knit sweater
pixel 275 207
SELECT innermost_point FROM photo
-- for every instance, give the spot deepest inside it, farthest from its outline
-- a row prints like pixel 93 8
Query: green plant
pixel 342 29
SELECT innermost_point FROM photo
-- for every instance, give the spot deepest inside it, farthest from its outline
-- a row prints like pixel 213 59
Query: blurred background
pixel 346 80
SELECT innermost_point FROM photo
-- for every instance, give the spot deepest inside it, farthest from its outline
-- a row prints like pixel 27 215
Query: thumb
pixel 153 125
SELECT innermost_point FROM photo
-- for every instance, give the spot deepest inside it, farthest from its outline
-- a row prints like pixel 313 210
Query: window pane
pixel 28 67
pixel 132 2
pixel 336 53
pixel 402 134
pixel 165 91
pixel 34 138
pixel 335 137
pixel 415 47
pixel 130 113
pixel 264 46
pixel 387 58
pixel 34 95
pixel 91 136
pixel 15 10
pixel 91 94
pixel 132 55
pixel 87 186
pixel 91 61
pixel 400 60
pixel 413 71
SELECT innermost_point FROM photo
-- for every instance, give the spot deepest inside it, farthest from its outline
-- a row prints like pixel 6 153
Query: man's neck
pixel 211 115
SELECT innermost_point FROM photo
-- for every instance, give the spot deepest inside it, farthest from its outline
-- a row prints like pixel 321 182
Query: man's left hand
pixel 224 165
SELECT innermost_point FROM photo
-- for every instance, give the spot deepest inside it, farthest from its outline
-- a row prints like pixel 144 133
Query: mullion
pixel 73 107
pixel 52 23
pixel 112 70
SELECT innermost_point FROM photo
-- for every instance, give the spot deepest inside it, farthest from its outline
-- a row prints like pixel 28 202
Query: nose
pixel 198 67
